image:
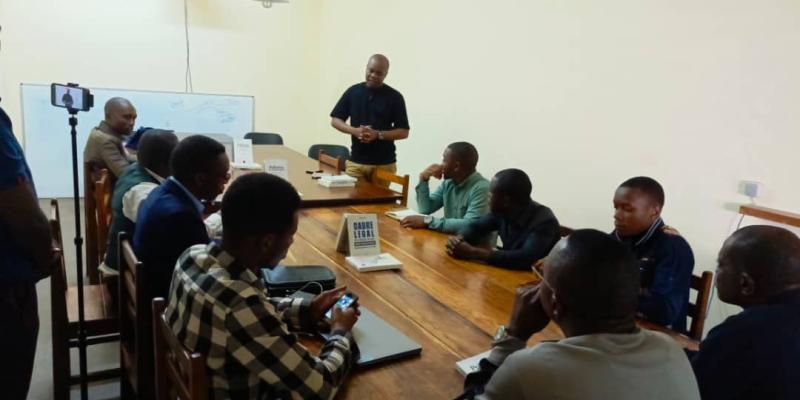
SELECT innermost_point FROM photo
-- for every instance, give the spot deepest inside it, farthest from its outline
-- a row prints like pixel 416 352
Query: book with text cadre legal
pixel 353 244
pixel 358 237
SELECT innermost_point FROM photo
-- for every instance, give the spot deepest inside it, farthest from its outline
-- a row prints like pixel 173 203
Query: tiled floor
pixel 99 356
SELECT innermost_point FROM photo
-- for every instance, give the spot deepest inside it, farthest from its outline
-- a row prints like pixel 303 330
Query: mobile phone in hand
pixel 345 301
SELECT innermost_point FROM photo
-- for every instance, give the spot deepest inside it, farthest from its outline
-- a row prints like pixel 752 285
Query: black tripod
pixel 73 122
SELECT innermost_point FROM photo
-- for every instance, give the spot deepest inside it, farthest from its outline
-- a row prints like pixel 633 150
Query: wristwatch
pixel 501 333
pixel 428 219
pixel 380 135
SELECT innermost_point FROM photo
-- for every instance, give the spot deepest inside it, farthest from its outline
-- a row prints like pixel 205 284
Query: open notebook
pixel 399 214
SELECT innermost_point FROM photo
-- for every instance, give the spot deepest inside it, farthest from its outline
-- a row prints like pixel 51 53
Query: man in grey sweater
pixel 589 287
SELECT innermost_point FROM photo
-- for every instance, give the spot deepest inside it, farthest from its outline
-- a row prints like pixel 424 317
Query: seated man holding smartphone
pixel 217 292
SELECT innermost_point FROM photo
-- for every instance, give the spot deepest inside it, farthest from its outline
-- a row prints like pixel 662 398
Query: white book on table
pixel 337 181
pixel 330 184
pixel 248 166
pixel 399 214
pixel 376 262
pixel 471 364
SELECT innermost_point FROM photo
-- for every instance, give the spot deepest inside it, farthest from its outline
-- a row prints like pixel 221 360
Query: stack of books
pixel 376 262
pixel 337 181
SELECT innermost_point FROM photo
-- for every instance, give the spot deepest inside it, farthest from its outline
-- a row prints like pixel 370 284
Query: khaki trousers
pixel 367 172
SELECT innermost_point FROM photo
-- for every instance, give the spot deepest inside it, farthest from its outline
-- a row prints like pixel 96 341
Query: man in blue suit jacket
pixel 666 260
pixel 170 220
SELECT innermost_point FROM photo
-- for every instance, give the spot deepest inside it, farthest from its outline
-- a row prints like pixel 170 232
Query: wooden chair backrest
pixel 103 190
pixel 401 180
pixel 135 333
pixel 90 175
pixel 698 310
pixel 179 372
pixel 58 281
pixel 334 162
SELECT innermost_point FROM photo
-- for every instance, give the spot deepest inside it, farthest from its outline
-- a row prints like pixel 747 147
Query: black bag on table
pixel 282 281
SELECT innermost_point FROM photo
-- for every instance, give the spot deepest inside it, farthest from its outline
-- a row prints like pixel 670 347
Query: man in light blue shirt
pixel 464 193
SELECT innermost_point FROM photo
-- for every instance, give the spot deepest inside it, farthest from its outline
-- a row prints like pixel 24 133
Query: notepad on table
pixel 471 364
pixel 399 214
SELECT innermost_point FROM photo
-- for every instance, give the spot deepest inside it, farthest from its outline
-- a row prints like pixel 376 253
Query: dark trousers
pixel 19 328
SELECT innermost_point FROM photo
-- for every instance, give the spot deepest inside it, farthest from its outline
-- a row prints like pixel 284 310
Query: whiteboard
pixel 47 133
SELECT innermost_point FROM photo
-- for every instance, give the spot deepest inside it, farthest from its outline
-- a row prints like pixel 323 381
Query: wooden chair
pixel 564 231
pixel 103 190
pixel 264 138
pixel 180 374
pixel 335 150
pixel 697 311
pixel 90 176
pixel 401 180
pixel 136 355
pixel 100 318
pixel 336 163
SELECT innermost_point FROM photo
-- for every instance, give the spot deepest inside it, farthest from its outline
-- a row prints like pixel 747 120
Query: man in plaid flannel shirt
pixel 218 305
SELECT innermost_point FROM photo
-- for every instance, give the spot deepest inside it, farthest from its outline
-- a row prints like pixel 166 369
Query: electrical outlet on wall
pixel 751 189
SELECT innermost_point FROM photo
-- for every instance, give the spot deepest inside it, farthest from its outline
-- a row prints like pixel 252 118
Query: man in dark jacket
pixel 756 353
pixel 135 185
pixel 665 260
pixel 528 229
pixel 170 220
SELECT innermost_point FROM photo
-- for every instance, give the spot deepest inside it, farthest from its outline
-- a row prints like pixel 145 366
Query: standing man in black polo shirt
pixel 377 114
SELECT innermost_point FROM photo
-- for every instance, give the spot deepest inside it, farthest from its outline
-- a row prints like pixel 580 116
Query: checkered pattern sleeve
pixel 294 312
pixel 261 343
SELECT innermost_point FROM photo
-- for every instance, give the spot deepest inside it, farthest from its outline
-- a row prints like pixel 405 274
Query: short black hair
pixel 155 148
pixel 596 277
pixel 257 204
pixel 769 254
pixel 513 183
pixel 194 154
pixel 465 153
pixel 648 186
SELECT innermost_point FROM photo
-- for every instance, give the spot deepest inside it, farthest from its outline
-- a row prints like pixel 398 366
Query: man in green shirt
pixel 464 193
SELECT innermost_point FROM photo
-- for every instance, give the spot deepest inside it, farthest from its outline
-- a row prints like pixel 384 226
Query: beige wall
pixel 580 94
pixel 585 94
pixel 237 47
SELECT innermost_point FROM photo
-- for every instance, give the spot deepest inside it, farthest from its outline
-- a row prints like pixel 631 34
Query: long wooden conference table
pixel 450 307
pixel 311 193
